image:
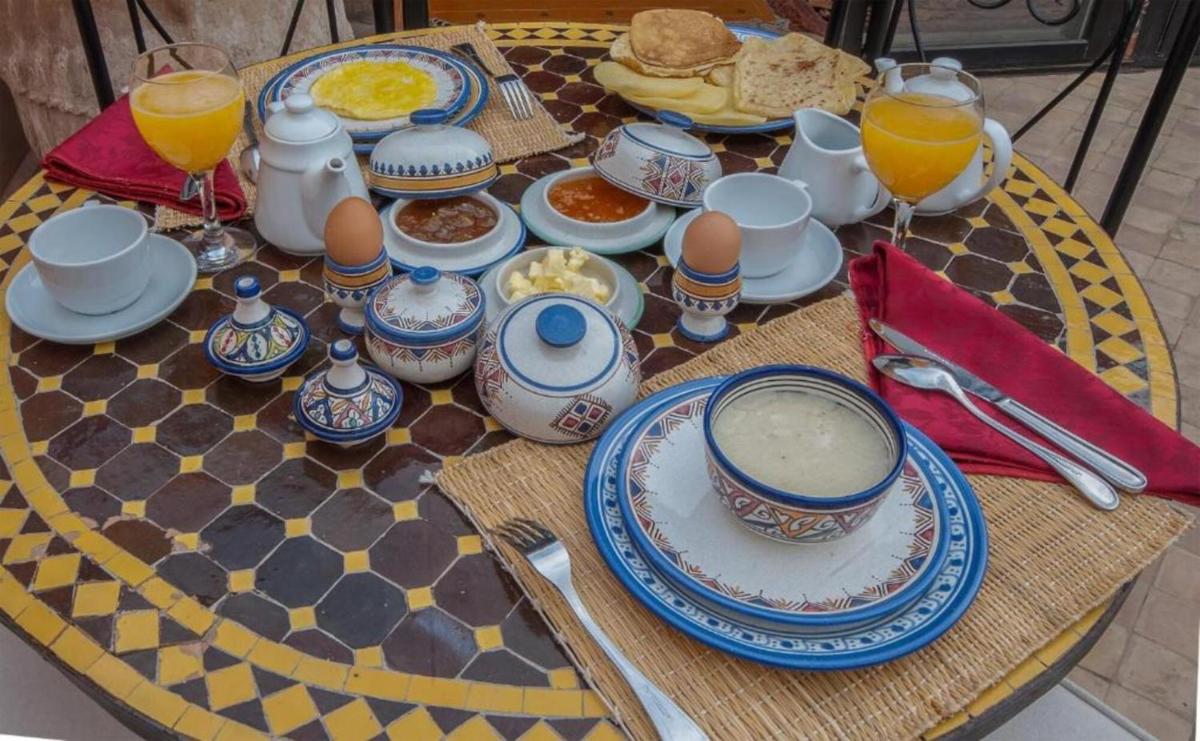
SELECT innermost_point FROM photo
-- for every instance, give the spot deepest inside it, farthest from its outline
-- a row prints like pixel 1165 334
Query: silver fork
pixel 549 557
pixel 515 94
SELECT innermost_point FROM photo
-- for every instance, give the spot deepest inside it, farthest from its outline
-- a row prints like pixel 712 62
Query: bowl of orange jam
pixel 579 201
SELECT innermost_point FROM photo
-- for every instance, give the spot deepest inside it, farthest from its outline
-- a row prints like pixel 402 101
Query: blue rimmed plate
pixel 680 525
pixel 453 78
pixel 774 124
pixel 948 596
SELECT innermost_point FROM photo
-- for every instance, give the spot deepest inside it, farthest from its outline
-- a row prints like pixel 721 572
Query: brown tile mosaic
pixel 320 644
pixel 242 536
pixel 153 345
pixel 47 414
pixel 431 643
pixel 144 402
pixel 474 591
pixel 193 429
pixel 89 442
pixel 352 519
pixel 299 572
pixel 340 612
pixel 296 488
pixel 143 539
pixel 188 502
pixel 137 471
pixel 243 457
pixel 413 553
pixel 395 473
pixel 98 377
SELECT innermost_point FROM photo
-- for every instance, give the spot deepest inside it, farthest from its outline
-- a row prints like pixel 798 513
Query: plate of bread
pixel 727 78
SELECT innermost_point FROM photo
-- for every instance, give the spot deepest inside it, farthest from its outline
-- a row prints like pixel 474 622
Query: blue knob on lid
pixel 560 325
pixel 247 287
pixel 429 116
pixel 678 120
pixel 342 350
pixel 425 275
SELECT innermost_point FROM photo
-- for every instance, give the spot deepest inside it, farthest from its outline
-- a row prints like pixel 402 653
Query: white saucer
pixel 532 209
pixel 31 307
pixel 817 262
pixel 628 306
pixel 508 241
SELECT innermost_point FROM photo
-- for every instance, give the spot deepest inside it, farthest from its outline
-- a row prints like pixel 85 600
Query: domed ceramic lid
pixel 257 337
pixel 669 136
pixel 297 120
pixel 942 79
pixel 348 402
pixel 431 160
pixel 558 343
pixel 425 307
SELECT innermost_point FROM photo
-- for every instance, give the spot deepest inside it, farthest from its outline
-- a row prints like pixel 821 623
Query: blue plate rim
pixel 971 581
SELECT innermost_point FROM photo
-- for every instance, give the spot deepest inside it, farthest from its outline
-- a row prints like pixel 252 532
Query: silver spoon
pixel 249 159
pixel 923 373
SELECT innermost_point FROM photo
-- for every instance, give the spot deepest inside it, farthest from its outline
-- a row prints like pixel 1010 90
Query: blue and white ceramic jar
pixel 349 402
pixel 557 368
pixel 423 326
pixel 257 342
pixel 658 161
pixel 431 160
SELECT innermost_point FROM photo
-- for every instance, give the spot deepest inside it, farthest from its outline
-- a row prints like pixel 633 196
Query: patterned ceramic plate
pixel 453 78
pixel 951 592
pixel 774 124
pixel 684 530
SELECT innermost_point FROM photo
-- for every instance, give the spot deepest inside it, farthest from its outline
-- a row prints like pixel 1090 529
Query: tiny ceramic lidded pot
pixel 556 368
pixel 355 260
pixel 707 282
pixel 431 160
pixel 658 161
pixel 349 402
pixel 422 327
pixel 257 342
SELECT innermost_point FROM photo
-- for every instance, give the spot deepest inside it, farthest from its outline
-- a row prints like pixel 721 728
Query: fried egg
pixel 371 91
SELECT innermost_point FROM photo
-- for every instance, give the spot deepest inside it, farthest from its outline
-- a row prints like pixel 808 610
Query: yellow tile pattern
pixel 289 709
pixel 230 686
pixel 353 721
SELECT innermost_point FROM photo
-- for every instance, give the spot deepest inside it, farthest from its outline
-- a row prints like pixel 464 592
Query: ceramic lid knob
pixel 425 278
pixel 560 325
pixel 299 120
pixel 250 309
pixel 299 103
pixel 346 374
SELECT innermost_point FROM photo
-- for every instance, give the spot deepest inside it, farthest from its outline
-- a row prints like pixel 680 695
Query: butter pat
pixel 560 271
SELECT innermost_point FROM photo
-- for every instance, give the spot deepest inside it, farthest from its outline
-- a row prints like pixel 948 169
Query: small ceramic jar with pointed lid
pixel 422 326
pixel 257 342
pixel 557 368
pixel 349 402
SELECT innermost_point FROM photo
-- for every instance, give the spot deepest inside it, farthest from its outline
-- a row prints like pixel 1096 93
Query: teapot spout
pixel 322 188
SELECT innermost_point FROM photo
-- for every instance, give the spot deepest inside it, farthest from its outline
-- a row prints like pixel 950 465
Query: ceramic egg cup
pixel 602 238
pixel 789 516
pixel 660 162
pixel 348 403
pixel 705 299
pixel 350 286
pixel 257 342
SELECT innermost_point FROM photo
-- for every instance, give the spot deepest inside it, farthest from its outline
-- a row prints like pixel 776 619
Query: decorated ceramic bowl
pixel 416 247
pixel 596 267
pixel 590 229
pixel 793 516
pixel 431 160
pixel 348 286
pixel 422 326
pixel 661 162
pixel 349 402
pixel 557 368
pixel 257 342
pixel 705 299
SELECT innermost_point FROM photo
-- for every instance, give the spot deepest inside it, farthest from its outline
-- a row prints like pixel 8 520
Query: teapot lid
pixel 942 79
pixel 298 120
pixel 558 343
pixel 431 159
pixel 425 306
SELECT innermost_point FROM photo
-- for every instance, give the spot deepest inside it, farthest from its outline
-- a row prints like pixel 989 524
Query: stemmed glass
pixel 187 103
pixel 919 131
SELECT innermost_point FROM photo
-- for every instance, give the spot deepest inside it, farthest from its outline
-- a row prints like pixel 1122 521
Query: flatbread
pixel 622 51
pixel 679 38
pixel 774 78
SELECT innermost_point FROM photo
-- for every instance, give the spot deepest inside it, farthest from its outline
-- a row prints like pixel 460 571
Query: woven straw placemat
pixel 510 139
pixel 1052 558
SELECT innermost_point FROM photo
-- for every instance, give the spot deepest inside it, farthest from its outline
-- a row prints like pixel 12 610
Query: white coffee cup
pixel 94 259
pixel 772 214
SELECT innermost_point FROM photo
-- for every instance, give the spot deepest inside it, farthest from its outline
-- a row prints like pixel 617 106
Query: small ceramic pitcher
pixel 826 153
pixel 970 185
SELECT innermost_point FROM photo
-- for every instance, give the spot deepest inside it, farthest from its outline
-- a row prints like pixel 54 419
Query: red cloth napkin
pixel 109 156
pixel 896 289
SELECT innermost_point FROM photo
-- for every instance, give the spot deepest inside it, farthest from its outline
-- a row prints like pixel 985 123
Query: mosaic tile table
pixel 170 539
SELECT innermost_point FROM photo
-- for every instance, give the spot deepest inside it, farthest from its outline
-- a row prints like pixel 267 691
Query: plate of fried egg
pixel 374 88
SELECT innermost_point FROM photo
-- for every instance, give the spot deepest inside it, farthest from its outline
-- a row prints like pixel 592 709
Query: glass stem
pixel 903 215
pixel 213 231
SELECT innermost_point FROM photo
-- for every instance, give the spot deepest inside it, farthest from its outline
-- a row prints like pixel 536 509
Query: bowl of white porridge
pixel 801 454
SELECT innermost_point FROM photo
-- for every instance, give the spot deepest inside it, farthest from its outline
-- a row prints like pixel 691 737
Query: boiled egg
pixel 353 232
pixel 712 243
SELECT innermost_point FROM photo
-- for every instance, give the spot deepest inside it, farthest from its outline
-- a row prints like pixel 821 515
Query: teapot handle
pixel 1002 153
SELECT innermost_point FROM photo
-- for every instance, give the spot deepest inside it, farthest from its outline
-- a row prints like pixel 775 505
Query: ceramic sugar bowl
pixel 257 342
pixel 349 402
pixel 422 326
pixel 431 160
pixel 556 368
pixel 660 162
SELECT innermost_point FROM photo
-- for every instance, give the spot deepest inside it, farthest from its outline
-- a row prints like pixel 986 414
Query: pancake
pixel 680 39
pixel 372 91
pixel 622 51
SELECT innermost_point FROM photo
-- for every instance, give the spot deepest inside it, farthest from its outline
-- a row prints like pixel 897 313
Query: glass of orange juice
pixel 917 137
pixel 187 103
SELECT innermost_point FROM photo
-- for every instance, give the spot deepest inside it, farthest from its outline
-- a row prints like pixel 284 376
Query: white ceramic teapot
pixel 826 154
pixel 970 185
pixel 307 167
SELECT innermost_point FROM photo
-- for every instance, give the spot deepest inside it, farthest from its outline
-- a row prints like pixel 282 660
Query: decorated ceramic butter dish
pixel 660 162
pixel 422 326
pixel 556 368
pixel 349 402
pixel 431 160
pixel 257 342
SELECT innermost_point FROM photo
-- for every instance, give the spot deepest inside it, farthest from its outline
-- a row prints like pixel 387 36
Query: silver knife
pixel 1114 470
